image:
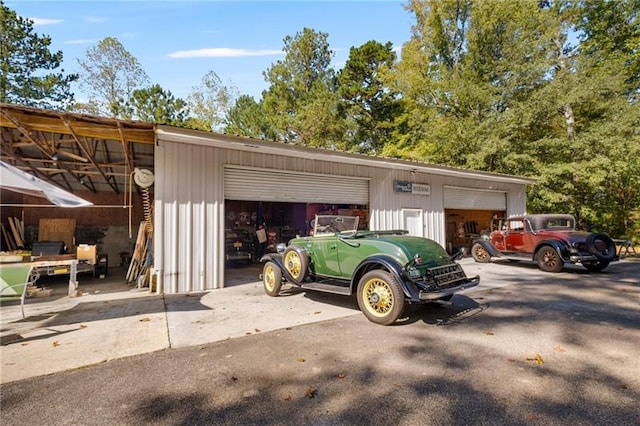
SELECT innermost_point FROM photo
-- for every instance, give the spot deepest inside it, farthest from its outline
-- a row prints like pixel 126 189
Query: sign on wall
pixel 412 188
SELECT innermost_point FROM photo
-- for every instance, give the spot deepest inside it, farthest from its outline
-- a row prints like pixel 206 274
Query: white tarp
pixel 16 180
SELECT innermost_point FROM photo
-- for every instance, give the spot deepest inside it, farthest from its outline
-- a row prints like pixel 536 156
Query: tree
pixel 153 105
pixel 365 100
pixel 210 102
pixel 109 74
pixel 300 102
pixel 611 30
pixel 498 86
pixel 247 118
pixel 23 57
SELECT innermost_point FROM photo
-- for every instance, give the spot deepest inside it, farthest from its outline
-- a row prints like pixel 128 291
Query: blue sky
pixel 178 42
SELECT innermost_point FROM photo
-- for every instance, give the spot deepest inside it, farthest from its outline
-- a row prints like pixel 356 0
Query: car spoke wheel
pixel 380 297
pixel 480 254
pixel 549 260
pixel 296 263
pixel 271 279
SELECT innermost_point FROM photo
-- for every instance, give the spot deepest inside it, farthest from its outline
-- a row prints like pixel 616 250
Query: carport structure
pixel 91 157
pixel 74 151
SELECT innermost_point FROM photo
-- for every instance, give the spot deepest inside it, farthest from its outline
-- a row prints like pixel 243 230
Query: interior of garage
pixel 464 226
pixel 265 224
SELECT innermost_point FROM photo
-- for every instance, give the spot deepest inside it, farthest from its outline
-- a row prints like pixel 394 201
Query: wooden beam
pixel 86 153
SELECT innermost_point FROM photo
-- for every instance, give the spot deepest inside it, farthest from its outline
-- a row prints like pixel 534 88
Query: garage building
pixel 207 186
pixel 207 183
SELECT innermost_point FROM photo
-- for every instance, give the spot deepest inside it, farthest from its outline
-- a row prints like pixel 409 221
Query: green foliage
pixel 153 105
pixel 301 103
pixel 209 103
pixel 365 100
pixel 248 118
pixel 23 57
pixel 109 74
pixel 495 85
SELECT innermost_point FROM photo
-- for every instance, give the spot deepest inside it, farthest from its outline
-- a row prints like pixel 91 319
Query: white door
pixel 412 221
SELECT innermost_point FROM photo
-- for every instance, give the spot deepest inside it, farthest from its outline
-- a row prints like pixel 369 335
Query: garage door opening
pixel 253 228
pixel 465 226
pixel 284 203
pixel 469 213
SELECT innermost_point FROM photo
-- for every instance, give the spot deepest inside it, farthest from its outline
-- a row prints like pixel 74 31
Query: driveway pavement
pixel 111 321
pixel 526 348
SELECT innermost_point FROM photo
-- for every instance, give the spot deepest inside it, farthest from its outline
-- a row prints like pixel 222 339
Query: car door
pixel 324 254
pixel 514 237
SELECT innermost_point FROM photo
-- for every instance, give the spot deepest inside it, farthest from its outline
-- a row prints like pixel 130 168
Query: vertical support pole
pixel 73 282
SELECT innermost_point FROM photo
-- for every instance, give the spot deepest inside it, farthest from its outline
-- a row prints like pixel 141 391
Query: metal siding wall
pixel 188 252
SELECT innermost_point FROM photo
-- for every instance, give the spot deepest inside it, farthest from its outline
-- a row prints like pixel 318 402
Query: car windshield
pixel 332 224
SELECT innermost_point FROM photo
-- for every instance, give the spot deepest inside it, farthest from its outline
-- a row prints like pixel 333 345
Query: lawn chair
pixel 14 280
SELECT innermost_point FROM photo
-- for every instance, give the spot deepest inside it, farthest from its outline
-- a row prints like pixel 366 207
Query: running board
pixel 327 288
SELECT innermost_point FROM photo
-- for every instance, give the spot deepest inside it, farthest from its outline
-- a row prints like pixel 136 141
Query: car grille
pixel 445 276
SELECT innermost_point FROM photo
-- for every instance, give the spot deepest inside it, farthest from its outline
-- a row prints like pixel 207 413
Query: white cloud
pixel 46 21
pixel 223 52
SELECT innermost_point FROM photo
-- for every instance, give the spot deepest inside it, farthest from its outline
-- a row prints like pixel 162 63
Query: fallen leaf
pixel 300 359
pixel 234 378
pixel 23 344
pixel 145 319
pixel 317 312
pixel 287 398
pixel 623 386
pixel 311 392
pixel 248 333
pixel 537 359
pixel 341 375
pixel 257 330
pixel 559 349
pixel 490 333
pixel 532 417
pixel 56 343
pixel 83 326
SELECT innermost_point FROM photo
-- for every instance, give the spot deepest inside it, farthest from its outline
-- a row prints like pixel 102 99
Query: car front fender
pixel 391 265
pixel 278 260
pixel 494 252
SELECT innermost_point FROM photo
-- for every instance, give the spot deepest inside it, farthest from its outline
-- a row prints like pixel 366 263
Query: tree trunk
pixel 567 109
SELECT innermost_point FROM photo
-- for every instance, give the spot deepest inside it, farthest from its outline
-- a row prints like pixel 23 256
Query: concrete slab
pixel 112 320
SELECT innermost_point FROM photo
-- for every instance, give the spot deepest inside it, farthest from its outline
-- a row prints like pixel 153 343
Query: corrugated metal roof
pixel 75 151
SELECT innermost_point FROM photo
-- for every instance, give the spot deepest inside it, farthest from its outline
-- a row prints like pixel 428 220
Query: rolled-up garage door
pixel 285 186
pixel 474 199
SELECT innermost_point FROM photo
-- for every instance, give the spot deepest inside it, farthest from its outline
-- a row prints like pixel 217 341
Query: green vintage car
pixel 385 268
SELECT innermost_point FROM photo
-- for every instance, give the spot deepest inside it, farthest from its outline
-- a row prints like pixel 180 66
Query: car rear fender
pixel 387 263
pixel 278 260
pixel 559 246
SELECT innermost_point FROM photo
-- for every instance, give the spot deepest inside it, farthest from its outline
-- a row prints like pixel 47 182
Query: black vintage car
pixel 238 246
